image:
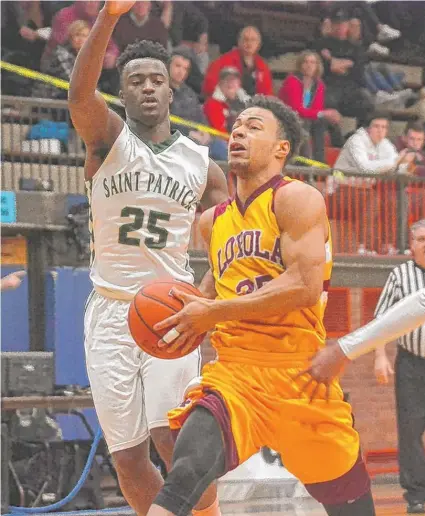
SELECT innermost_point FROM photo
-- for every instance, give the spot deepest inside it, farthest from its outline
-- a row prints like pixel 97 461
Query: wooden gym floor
pixel 388 501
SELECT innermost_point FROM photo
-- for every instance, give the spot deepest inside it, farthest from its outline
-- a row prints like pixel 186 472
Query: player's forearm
pixel 282 295
pixel 402 318
pixel 89 63
pixel 207 286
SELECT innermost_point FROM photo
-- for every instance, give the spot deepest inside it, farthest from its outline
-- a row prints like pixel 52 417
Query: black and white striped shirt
pixel 404 280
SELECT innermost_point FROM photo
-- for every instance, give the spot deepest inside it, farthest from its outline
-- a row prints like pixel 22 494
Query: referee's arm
pixel 390 295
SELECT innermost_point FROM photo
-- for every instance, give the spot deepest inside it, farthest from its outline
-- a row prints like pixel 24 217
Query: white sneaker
pixel 387 33
pixel 376 48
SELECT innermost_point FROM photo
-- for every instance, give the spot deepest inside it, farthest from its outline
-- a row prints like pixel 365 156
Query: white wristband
pixel 402 318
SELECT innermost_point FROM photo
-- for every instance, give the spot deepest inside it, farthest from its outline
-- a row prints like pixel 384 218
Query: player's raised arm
pixel 95 123
pixel 301 215
pixel 216 190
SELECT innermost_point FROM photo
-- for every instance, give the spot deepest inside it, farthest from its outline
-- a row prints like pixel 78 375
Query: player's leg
pixel 347 495
pixel 199 458
pixel 113 366
pixel 164 383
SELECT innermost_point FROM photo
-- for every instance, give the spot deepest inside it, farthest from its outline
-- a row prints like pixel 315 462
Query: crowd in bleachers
pixel 332 79
pixel 354 61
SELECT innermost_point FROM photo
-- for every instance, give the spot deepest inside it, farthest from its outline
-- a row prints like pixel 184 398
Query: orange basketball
pixel 152 304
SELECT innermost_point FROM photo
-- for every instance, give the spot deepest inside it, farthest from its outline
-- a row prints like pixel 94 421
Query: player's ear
pixel 171 95
pixel 122 98
pixel 283 149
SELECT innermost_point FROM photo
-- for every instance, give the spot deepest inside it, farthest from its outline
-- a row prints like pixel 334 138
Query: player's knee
pixel 132 461
pixel 199 453
pixel 351 486
pixel 164 444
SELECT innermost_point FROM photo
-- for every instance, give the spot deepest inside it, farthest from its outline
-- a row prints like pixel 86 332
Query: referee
pixel 403 280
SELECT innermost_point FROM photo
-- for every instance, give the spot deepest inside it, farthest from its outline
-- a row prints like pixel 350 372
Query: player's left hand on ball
pixel 194 319
pixel 326 365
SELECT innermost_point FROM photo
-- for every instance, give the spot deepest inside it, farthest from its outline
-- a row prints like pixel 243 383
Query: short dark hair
pixel 414 125
pixel 289 122
pixel 182 51
pixel 143 49
pixel 378 116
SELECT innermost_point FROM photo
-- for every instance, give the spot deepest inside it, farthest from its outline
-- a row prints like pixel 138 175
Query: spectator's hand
pixel 12 281
pixel 119 7
pixel 406 156
pixel 338 66
pixel 326 54
pixel 109 61
pixel 332 115
pixel 27 33
pixel 383 369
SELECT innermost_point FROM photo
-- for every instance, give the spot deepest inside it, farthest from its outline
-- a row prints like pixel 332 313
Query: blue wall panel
pixel 14 315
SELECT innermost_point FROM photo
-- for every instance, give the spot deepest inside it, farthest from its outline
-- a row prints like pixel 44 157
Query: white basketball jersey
pixel 143 200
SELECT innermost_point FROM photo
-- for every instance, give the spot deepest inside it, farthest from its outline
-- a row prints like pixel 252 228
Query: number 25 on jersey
pixel 159 237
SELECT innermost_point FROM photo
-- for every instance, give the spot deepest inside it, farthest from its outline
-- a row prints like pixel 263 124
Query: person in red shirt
pixel 255 74
pixel 228 99
pixel 304 92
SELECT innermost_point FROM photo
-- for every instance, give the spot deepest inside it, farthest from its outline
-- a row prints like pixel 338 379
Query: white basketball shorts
pixel 132 391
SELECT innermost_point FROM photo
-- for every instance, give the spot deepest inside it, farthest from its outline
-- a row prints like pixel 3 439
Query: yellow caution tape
pixel 64 85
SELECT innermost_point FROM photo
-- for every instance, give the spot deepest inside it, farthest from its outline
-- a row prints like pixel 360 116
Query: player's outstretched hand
pixel 383 368
pixel 326 365
pixel 194 319
pixel 119 7
pixel 12 281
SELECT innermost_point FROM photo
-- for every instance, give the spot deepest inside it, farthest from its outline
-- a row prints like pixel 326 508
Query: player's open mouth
pixel 150 102
pixel 236 147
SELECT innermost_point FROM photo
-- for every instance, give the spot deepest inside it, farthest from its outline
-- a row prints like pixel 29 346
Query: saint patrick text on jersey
pixel 156 183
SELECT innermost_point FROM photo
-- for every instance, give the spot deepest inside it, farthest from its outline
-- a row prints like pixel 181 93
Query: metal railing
pixel 369 214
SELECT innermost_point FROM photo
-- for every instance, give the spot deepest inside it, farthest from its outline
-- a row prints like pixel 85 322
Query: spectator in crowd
pixel 369 151
pixel 355 202
pixel 405 279
pixel 87 11
pixel 413 140
pixel 384 86
pixel 61 61
pixel 195 40
pixel 189 27
pixel 186 104
pixel 304 92
pixel 255 73
pixel 344 71
pixel 228 99
pixel 139 24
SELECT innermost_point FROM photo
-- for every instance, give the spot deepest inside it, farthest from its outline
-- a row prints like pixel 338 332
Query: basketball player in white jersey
pixel 143 184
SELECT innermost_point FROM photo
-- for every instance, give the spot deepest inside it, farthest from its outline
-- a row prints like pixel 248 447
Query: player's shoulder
pixel 294 192
pixel 297 201
pixel 208 218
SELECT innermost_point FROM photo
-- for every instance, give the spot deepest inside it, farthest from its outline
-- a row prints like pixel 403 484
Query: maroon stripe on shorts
pixel 350 486
pixel 213 402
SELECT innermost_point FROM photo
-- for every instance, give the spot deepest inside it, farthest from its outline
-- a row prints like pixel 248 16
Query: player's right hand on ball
pixel 119 7
pixel 383 369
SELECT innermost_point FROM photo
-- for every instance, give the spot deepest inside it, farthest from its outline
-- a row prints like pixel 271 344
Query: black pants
pixel 348 98
pixel 410 399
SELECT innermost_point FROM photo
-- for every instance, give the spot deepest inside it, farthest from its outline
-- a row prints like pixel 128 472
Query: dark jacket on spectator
pixel 127 31
pixel 418 166
pixel 186 105
pixel 291 93
pixel 60 65
pixel 342 49
pixel 263 76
